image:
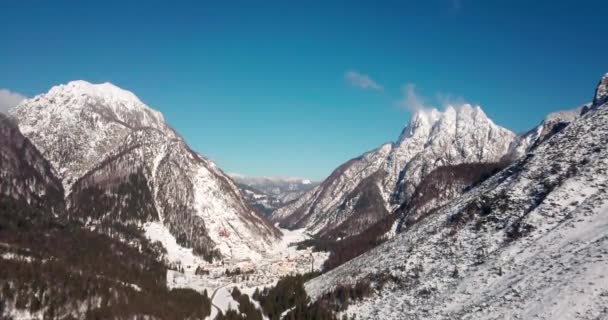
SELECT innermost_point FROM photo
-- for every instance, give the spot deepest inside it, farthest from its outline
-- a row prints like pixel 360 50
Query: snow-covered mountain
pixel 367 188
pixel 527 243
pixel 121 163
pixel 269 193
pixel 52 267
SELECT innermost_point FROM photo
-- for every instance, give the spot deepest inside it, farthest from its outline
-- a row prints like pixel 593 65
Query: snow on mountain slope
pixel 112 149
pixel 365 189
pixel 319 208
pixel 552 124
pixel 528 243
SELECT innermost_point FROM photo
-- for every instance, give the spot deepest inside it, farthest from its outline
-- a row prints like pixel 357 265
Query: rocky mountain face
pixel 122 165
pixel 321 206
pixel 365 189
pixel 601 92
pixel 528 242
pixel 25 175
pixel 269 193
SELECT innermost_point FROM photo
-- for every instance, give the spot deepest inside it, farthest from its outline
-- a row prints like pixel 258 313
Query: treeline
pixel 287 293
pixel 288 298
pixel 338 299
pixel 125 199
pixel 349 248
pixel 59 270
pixel 441 186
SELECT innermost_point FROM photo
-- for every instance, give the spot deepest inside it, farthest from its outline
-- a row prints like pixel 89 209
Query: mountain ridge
pixel 431 139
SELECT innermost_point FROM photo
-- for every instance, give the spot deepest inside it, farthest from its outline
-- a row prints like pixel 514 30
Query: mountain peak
pixel 91 118
pixel 601 92
pixel 464 112
pixel 426 115
pixel 124 104
pixel 106 90
pixel 423 121
pixel 98 102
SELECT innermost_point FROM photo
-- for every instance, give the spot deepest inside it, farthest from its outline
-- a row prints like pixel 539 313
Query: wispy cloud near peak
pixel 362 81
pixel 9 100
pixel 413 102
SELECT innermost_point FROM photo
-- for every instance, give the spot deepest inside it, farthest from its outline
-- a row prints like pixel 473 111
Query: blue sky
pixel 261 87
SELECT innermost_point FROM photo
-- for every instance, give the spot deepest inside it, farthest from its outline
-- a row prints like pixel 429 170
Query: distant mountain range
pixel 269 193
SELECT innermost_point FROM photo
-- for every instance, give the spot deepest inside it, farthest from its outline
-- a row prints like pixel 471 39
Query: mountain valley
pixel 107 212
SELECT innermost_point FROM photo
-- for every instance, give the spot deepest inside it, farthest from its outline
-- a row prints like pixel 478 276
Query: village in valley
pixel 219 277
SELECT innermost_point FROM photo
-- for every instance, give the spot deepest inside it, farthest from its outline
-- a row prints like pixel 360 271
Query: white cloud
pixel 9 99
pixel 412 101
pixel 447 100
pixel 361 81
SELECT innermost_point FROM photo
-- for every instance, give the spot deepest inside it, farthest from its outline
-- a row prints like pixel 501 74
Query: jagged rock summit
pixel 460 134
pixel 601 93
